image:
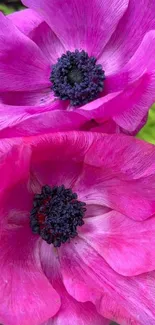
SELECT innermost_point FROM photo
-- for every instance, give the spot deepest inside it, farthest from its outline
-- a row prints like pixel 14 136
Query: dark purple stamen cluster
pixel 77 77
pixel 56 214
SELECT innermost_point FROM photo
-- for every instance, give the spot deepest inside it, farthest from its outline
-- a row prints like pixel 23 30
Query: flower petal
pixel 141 67
pixel 25 121
pixel 25 292
pixel 120 176
pixel 129 93
pixel 13 154
pixel 126 300
pixel 81 24
pixel 58 158
pixel 71 311
pixel 94 210
pixel 48 42
pixel 32 25
pixel 26 296
pixel 135 23
pixel 35 98
pixel 116 237
pixel 26 20
pixel 29 70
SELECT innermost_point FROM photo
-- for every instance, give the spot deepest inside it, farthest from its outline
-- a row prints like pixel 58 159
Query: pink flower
pixel 96 259
pixel 119 34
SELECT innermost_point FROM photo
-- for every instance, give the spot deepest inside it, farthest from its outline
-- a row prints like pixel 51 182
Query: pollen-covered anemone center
pixel 56 214
pixel 77 77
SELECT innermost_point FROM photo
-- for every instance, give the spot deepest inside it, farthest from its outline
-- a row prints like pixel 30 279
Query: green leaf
pixel 147 133
pixel 6 10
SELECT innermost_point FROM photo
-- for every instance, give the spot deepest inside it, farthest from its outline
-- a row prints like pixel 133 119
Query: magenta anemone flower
pixel 66 63
pixel 77 230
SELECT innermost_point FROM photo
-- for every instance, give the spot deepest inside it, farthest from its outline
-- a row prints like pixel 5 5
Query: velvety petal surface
pixel 13 154
pixel 71 311
pixel 22 64
pixel 81 24
pixel 128 93
pixel 126 300
pixel 32 25
pixel 136 22
pixel 26 20
pixel 58 158
pixel 122 170
pixel 25 292
pixel 25 121
pixel 141 68
pixel 48 42
pixel 26 295
pixel 36 98
pixel 126 245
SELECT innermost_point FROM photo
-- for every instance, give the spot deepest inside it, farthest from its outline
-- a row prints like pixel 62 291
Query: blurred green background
pixel 9 6
pixel 148 131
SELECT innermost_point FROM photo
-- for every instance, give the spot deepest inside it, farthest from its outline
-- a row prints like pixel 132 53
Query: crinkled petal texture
pixel 71 311
pixel 126 300
pixel 110 264
pixel 26 296
pixel 28 121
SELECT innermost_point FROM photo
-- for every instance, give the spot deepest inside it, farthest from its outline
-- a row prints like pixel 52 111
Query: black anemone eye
pixel 56 214
pixel 77 77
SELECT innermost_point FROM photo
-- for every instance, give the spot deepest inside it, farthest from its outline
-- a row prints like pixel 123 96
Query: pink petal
pixel 35 98
pixel 25 121
pixel 116 238
pixel 142 67
pixel 98 109
pixel 70 146
pixel 26 20
pixel 56 172
pixel 29 70
pixel 135 23
pixel 26 296
pixel 71 311
pixel 107 127
pixel 13 154
pixel 94 210
pixel 31 24
pixel 126 300
pixel 120 176
pixel 58 158
pixel 18 211
pixel 139 127
pixel 129 93
pixel 81 24
pixel 48 42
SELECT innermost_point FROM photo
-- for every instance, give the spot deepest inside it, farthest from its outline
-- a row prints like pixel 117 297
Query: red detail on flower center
pixel 41 218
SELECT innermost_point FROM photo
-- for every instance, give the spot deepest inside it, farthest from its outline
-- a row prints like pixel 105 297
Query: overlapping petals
pixel 100 274
pixel 117 33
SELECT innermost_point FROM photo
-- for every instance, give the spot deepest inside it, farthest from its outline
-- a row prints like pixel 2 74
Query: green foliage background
pixel 148 131
pixel 9 6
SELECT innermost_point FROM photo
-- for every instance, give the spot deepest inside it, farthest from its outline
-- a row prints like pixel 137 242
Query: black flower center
pixel 56 214
pixel 77 77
